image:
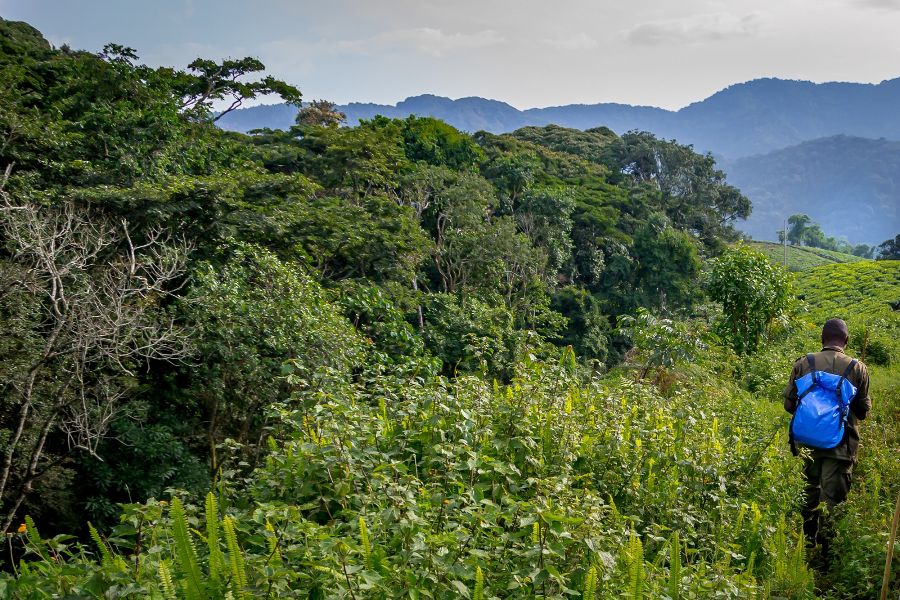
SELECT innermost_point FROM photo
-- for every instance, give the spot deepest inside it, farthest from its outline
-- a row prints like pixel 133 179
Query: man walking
pixel 828 470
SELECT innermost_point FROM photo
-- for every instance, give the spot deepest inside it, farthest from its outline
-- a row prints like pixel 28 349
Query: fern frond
pixel 165 577
pixel 635 568
pixel 674 567
pixel 186 553
pixel 216 558
pixel 34 538
pixel 590 584
pixel 235 559
pixel 365 542
pixel 479 585
pixel 105 556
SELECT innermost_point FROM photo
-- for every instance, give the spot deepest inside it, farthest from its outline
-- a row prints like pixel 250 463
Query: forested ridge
pixel 395 360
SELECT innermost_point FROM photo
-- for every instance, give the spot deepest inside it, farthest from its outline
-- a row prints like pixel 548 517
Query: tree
pixel 320 113
pixel 587 330
pixel 753 292
pixel 693 193
pixel 207 81
pixel 250 316
pixel 438 143
pixel 92 296
pixel 889 249
pixel 863 251
pixel 667 265
pixel 797 228
pixel 545 217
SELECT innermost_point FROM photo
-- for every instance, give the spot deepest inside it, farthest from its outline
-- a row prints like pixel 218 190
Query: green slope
pixel 861 289
pixel 801 258
pixel 859 293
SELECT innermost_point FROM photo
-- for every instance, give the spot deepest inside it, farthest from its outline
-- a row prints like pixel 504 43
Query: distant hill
pixel 750 118
pixel 801 258
pixel 849 185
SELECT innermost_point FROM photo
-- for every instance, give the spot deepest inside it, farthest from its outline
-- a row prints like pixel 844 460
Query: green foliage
pixel 587 329
pixel 889 249
pixel 804 231
pixel 753 293
pixel 667 265
pixel 593 144
pixel 250 316
pixel 659 343
pixel 693 193
pixel 437 143
pixel 186 553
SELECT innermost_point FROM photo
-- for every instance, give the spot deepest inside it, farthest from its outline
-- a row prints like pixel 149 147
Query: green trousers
pixel 827 483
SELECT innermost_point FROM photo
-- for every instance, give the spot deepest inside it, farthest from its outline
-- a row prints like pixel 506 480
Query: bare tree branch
pixel 102 294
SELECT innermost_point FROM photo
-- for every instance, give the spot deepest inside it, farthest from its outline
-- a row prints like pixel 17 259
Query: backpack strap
pixel 812 367
pixel 840 385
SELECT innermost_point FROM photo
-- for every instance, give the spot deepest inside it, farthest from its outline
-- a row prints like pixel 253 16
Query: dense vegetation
pixel 747 119
pixel 393 360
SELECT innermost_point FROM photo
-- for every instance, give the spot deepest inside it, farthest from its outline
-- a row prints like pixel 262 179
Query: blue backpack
pixel 823 402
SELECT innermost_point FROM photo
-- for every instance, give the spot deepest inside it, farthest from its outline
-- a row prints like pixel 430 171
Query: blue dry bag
pixel 822 407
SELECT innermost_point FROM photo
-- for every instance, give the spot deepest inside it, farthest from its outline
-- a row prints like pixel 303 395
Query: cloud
pixel 581 41
pixel 879 4
pixel 423 40
pixel 695 30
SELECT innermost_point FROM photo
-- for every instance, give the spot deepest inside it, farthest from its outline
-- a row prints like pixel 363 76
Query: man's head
pixel 835 333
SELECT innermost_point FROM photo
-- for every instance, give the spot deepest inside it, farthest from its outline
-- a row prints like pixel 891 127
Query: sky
pixel 529 53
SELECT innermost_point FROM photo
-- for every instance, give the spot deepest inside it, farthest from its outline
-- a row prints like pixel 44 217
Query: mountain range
pixel 791 146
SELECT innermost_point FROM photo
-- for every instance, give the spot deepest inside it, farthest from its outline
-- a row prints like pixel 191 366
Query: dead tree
pixel 98 316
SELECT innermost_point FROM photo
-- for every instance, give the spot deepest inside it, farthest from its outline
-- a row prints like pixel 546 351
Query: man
pixel 827 471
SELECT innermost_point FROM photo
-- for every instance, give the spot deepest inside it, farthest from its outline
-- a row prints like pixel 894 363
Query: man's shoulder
pixel 803 359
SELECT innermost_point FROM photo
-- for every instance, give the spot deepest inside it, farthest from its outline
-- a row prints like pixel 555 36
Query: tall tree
pixel 797 228
pixel 694 194
pixel 889 249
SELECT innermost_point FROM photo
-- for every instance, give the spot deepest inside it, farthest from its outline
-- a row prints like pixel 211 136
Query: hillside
pixel 849 185
pixel 855 290
pixel 745 119
pixel 801 258
pixel 399 361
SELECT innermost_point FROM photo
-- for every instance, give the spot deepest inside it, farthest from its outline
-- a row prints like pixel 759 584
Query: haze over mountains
pixel 791 146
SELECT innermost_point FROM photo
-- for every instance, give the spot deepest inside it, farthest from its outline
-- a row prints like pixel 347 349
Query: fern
pixel 366 544
pixel 236 560
pixel 105 556
pixel 216 559
pixel 165 577
pixel 635 568
pixel 479 585
pixel 799 575
pixel 272 542
pixel 186 553
pixel 34 538
pixel 674 567
pixel 750 564
pixel 590 584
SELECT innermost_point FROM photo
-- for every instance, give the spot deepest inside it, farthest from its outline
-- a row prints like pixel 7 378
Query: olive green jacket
pixel 833 360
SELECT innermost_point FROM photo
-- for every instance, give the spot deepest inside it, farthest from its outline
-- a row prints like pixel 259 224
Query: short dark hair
pixel 835 330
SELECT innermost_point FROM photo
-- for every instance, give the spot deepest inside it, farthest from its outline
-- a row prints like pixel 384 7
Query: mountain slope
pixel 801 258
pixel 742 120
pixel 849 185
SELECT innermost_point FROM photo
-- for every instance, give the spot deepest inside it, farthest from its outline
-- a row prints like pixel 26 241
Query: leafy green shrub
pixel 753 293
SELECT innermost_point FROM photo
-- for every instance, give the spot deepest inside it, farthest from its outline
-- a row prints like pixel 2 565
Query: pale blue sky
pixel 526 52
